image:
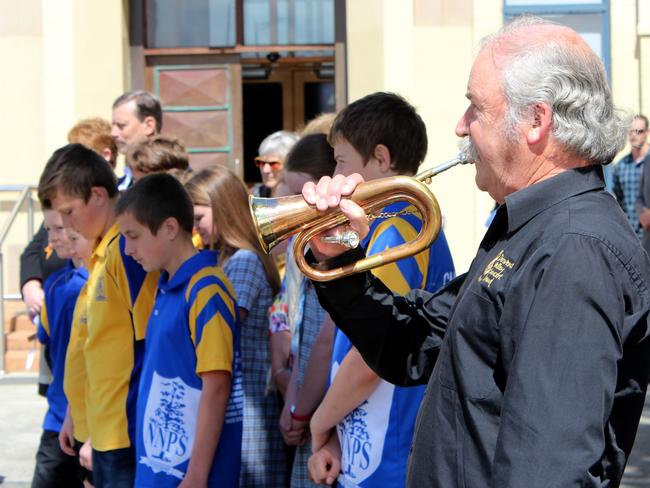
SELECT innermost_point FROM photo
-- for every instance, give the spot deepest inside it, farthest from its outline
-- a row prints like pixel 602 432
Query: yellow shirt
pixel 75 377
pixel 119 301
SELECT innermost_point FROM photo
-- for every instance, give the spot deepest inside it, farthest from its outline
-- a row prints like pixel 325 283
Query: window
pixel 189 23
pixel 288 22
pixel 587 17
pixel 213 23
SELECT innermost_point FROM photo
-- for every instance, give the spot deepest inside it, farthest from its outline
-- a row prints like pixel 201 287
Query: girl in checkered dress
pixel 223 221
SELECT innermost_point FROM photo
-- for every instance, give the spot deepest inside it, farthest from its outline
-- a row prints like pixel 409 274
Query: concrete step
pixel 21 339
pixel 18 360
pixel 18 323
pixel 16 317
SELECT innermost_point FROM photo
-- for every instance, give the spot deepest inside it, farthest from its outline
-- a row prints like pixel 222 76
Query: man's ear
pixel 149 126
pixel 382 154
pixel 541 124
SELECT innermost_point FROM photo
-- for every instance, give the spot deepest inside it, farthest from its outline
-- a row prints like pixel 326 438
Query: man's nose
pixel 462 129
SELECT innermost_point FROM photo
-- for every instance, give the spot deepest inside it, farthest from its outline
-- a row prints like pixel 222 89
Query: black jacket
pixel 537 359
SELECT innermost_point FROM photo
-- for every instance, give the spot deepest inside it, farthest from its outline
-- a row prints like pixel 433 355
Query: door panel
pixel 201 107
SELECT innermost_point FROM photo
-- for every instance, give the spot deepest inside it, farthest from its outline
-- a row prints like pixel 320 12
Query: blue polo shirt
pixel 194 328
pixel 61 290
pixel 376 436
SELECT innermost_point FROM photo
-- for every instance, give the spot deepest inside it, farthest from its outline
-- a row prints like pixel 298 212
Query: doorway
pixel 281 98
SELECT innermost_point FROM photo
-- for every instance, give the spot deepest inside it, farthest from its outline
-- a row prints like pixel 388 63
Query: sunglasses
pixel 259 162
pixel 638 132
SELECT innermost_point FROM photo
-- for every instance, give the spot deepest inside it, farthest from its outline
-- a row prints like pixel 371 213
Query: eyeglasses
pixel 638 132
pixel 259 162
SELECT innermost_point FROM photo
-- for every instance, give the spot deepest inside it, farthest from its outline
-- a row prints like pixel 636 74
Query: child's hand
pixel 325 465
pixel 86 455
pixel 190 482
pixel 294 432
pixel 66 439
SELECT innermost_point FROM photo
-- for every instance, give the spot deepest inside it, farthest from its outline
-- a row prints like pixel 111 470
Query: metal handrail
pixel 25 195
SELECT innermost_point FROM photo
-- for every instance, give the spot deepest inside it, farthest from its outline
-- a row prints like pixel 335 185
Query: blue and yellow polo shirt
pixel 193 329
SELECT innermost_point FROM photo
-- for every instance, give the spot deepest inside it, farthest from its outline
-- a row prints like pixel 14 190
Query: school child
pixel 297 318
pixel 105 349
pixel 189 415
pixel 54 467
pixel 223 220
pixel 364 421
pixel 159 154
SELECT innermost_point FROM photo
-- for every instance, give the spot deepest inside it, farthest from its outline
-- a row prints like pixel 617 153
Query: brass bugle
pixel 277 219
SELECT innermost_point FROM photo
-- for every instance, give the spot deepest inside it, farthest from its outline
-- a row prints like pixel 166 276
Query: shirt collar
pixel 528 202
pixel 186 270
pixel 100 249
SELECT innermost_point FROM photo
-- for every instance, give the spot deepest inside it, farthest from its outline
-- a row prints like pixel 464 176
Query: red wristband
pixel 298 417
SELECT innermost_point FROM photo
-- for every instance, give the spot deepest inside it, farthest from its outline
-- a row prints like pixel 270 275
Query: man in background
pixel 629 170
pixel 137 115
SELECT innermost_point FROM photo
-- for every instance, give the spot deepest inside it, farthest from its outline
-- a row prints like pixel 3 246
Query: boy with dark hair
pixel 364 424
pixel 105 349
pixel 189 420
pixel 53 467
pixel 383 119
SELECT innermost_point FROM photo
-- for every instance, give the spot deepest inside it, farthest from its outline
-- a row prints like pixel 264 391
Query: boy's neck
pixel 180 252
pixel 109 218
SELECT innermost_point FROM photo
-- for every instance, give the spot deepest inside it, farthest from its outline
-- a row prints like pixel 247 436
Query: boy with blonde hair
pixel 53 466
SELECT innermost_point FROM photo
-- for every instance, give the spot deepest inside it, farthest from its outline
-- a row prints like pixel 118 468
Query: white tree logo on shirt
pixel 169 424
pixel 362 434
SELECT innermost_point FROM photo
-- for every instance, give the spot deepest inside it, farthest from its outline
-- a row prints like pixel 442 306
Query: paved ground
pixel 22 410
pixel 21 416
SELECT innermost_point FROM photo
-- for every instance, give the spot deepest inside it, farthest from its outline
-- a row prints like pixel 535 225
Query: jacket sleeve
pixel 32 258
pixel 398 336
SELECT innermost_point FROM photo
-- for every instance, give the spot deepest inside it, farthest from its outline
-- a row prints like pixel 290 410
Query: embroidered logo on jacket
pixel 169 424
pixel 100 294
pixel 495 269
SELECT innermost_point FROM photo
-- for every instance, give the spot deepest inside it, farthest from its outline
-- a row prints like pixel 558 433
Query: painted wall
pixel 63 60
pixel 424 50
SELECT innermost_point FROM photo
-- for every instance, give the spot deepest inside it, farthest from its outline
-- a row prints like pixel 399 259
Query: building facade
pixel 231 71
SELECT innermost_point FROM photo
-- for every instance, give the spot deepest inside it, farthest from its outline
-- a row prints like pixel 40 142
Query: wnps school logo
pixel 169 424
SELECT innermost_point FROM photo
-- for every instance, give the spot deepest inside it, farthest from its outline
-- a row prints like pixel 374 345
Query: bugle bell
pixel 277 219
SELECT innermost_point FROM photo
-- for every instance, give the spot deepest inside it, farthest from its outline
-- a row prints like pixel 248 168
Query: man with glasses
pixel 628 173
pixel 638 134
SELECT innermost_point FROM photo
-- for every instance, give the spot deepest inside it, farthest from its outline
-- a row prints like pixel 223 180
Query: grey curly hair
pixel 567 76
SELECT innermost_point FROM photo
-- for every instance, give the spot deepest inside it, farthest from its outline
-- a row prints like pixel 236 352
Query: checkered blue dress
pixel 313 317
pixel 263 460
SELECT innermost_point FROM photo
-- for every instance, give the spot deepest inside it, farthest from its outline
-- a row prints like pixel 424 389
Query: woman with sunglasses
pixel 271 154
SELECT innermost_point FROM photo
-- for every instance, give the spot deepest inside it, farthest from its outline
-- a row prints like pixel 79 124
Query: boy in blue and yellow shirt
pixel 105 350
pixel 54 467
pixel 364 421
pixel 189 414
